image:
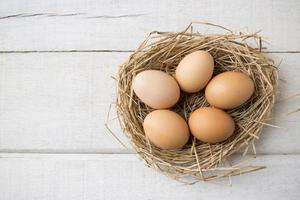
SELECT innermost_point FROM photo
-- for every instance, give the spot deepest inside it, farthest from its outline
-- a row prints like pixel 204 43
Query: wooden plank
pixel 89 177
pixel 122 25
pixel 58 102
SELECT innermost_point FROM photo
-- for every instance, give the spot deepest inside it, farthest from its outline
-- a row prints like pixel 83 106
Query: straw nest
pixel 232 52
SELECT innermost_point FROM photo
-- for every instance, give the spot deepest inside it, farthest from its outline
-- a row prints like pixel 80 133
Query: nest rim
pixel 232 52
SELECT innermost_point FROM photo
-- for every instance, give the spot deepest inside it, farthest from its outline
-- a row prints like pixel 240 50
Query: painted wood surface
pixel 121 25
pixel 56 62
pixel 59 102
pixel 94 177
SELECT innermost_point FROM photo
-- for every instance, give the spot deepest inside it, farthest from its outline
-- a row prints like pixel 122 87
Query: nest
pixel 231 52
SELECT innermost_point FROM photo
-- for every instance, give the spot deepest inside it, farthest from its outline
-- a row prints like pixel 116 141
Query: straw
pixel 231 52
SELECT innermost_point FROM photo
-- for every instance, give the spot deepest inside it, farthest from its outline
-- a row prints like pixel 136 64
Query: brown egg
pixel 211 125
pixel 166 129
pixel 194 71
pixel 229 90
pixel 157 89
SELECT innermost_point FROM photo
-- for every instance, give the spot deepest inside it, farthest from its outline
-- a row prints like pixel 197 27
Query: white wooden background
pixel 56 62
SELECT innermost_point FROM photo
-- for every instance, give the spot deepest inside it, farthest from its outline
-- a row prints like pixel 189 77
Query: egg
pixel 211 125
pixel 194 71
pixel 166 129
pixel 157 89
pixel 229 90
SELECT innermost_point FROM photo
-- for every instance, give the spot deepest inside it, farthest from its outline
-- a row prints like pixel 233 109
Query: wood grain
pixel 58 102
pixel 81 25
pixel 93 177
pixel 56 62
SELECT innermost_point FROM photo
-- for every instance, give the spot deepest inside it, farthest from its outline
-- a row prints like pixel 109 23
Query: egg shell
pixel 194 71
pixel 166 129
pixel 229 90
pixel 157 89
pixel 211 125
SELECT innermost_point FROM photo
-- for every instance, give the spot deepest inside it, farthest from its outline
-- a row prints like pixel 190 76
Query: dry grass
pixel 231 52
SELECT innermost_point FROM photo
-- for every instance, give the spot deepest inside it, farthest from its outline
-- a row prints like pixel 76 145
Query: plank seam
pixel 129 152
pixel 101 51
